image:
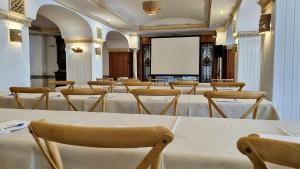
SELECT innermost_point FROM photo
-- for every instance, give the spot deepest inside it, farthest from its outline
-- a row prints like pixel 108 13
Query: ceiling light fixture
pixel 221 12
pixel 151 7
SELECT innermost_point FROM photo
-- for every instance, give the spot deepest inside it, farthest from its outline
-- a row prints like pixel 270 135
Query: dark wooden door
pixel 119 64
pixel 230 64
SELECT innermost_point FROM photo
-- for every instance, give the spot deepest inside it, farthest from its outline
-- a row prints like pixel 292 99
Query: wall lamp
pixel 77 49
pixel 265 23
pixel 15 35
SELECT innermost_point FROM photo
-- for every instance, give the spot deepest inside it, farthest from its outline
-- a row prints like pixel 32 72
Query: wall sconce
pixel 265 23
pixel 98 51
pixel 15 35
pixel 77 49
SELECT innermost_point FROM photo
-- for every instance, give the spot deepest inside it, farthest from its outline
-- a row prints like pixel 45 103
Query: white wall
pixel 37 55
pixel 14 56
pixel 51 55
pixel 105 54
pixel 248 16
pixel 286 93
pixel 221 38
pixel 248 61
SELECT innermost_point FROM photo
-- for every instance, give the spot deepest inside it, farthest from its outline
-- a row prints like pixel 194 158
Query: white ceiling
pixel 128 15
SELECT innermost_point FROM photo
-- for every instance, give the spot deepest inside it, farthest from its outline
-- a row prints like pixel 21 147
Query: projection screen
pixel 175 56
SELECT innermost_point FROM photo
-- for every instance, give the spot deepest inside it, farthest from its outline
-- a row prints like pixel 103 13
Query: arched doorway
pixel 47 52
pixel 117 57
pixel 62 25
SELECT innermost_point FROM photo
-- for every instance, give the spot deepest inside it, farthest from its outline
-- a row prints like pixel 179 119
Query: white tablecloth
pixel 199 142
pixel 188 105
pixel 122 89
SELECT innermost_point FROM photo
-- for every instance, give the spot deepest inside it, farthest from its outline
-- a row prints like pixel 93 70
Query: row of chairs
pixel 137 93
pixel 258 150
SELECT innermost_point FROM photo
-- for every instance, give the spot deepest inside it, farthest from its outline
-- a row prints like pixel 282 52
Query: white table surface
pixel 199 142
pixel 188 105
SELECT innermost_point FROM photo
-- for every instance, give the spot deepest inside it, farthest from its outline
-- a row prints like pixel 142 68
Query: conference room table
pixel 200 90
pixel 199 142
pixel 188 105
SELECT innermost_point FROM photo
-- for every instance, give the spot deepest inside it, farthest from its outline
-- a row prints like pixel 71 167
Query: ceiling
pixel 175 15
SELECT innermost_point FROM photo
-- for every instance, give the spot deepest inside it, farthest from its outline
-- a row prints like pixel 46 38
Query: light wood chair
pixel 105 79
pixel 191 84
pixel 130 80
pixel 216 85
pixel 54 83
pixel 157 92
pixel 110 84
pixel 259 96
pixel 261 150
pixel 31 90
pixel 156 137
pixel 129 84
pixel 222 80
pixel 96 92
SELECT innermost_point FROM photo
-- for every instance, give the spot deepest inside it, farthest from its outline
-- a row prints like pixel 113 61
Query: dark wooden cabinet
pixel 61 73
pixel 120 64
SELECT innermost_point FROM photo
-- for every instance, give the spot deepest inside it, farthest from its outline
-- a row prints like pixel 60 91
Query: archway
pixel 117 57
pixel 74 31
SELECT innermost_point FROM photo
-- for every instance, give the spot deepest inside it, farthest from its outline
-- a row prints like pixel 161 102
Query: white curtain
pixel 248 61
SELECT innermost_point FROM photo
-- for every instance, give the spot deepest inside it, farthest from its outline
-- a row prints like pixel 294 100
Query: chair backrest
pixel 157 92
pixel 217 85
pixel 110 84
pixel 156 137
pixel 53 83
pixel 71 92
pixel 105 79
pixel 31 90
pixel 222 80
pixel 191 84
pixel 139 84
pixel 259 96
pixel 261 150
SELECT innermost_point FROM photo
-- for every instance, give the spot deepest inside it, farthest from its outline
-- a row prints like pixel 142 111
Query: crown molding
pixel 265 4
pixel 173 27
pixel 81 11
pixel 246 34
pixel 87 40
pixel 234 10
pixel 15 17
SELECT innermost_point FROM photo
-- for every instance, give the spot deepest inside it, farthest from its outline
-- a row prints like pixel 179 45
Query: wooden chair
pixel 157 92
pixel 156 137
pixel 261 150
pixel 110 84
pixel 31 90
pixel 191 84
pixel 222 80
pixel 139 84
pixel 130 80
pixel 71 92
pixel 239 85
pixel 259 96
pixel 105 79
pixel 54 83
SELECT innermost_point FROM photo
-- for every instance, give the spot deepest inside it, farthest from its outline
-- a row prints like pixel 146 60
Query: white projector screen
pixel 175 56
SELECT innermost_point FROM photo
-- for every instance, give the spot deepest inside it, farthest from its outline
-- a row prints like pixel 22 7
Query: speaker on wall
pixel 220 51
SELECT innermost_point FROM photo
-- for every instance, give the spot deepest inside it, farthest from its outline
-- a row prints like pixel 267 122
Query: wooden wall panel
pixel 230 64
pixel 119 64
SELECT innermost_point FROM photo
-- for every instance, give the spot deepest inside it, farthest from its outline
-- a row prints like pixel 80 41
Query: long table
pixel 199 142
pixel 200 90
pixel 188 105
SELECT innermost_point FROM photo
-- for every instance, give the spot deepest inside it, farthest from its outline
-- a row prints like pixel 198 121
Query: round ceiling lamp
pixel 151 7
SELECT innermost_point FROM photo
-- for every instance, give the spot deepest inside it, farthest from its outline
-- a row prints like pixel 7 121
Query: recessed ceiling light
pixel 108 19
pixel 222 12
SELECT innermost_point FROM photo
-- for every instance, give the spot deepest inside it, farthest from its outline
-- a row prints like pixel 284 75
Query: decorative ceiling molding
pixel 234 10
pixel 15 17
pixel 209 11
pixel 81 11
pixel 173 27
pixel 264 4
pixel 71 40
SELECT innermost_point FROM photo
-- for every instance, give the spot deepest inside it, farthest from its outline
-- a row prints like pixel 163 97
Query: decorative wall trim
pixel 12 16
pixel 173 27
pixel 264 4
pixel 246 34
pixel 44 30
pixel 119 50
pixel 97 41
pixel 42 77
pixel 17 6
